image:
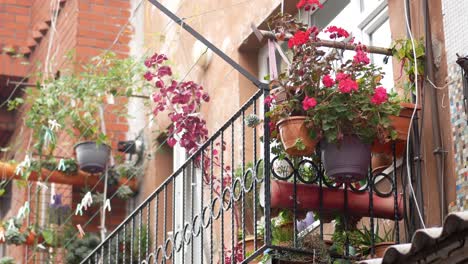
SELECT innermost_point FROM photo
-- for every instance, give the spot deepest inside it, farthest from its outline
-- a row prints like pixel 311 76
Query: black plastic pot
pixel 92 157
pixel 347 161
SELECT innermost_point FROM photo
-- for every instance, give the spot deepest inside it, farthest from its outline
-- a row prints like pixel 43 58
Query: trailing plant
pixel 71 102
pixel 402 50
pixel 181 101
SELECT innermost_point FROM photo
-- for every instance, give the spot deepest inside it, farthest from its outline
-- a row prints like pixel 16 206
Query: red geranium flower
pixel 309 102
pixel 341 76
pixel 309 4
pixel 336 32
pixel 347 85
pixel 300 38
pixel 380 96
pixel 328 81
pixel 361 55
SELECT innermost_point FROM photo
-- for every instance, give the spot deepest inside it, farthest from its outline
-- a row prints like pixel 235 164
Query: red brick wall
pixel 15 19
pixel 88 27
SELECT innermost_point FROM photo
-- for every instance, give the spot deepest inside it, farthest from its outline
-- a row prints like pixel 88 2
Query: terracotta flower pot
pixel 401 125
pixel 380 161
pixel 250 246
pixel 92 157
pixel 291 130
pixel 347 161
pixel 280 94
pixel 381 247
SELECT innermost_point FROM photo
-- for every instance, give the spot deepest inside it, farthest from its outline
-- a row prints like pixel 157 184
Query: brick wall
pixel 456 41
pixel 87 27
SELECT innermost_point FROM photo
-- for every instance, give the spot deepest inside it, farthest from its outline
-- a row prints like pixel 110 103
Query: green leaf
pixel 2 192
pixel 48 236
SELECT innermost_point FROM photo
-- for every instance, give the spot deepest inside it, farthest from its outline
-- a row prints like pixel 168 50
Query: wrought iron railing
pixel 234 202
pixel 223 204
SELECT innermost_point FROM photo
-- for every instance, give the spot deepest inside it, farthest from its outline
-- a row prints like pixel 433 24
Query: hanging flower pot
pixel 347 161
pixel 295 136
pixel 381 247
pixel 401 125
pixel 92 157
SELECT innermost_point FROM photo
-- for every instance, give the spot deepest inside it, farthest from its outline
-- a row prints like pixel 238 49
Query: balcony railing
pixel 232 201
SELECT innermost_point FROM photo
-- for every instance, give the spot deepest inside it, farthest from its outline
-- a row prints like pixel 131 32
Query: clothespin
pixel 79 210
pixel 61 165
pixel 27 161
pixel 81 232
pixel 23 210
pixel 19 169
pixel 87 200
pixel 54 125
pixel 2 234
pixel 11 225
pixel 41 246
pixel 107 205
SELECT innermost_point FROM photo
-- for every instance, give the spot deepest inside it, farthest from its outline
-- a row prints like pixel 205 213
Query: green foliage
pixel 124 192
pixel 402 50
pixel 15 236
pixel 7 260
pixel 365 238
pixel 72 101
pixel 140 240
pixel 252 120
pixel 282 227
pixel 79 249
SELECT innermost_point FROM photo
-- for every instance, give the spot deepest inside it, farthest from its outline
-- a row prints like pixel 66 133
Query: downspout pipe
pixel 438 151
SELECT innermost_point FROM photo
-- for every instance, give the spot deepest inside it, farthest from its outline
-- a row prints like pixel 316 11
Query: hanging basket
pixel 92 157
pixel 347 161
pixel 292 130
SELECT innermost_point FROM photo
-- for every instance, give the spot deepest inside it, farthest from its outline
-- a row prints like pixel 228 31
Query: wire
pixel 408 170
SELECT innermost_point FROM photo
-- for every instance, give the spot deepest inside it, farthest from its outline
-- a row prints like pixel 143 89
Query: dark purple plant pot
pixel 92 157
pixel 347 161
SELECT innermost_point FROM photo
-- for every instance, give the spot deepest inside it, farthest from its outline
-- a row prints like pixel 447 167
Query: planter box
pixel 333 200
pixel 78 179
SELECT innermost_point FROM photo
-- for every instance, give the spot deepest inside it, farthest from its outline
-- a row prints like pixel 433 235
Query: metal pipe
pixel 438 148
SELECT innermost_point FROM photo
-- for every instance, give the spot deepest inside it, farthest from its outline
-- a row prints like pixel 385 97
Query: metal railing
pixel 233 202
pixel 222 205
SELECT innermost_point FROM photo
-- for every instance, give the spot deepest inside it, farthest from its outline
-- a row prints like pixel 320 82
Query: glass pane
pixel 367 5
pixel 382 37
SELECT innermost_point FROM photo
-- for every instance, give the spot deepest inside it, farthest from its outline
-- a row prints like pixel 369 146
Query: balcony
pixel 234 201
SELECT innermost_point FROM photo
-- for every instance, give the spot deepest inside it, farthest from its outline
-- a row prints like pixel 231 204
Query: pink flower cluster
pixel 301 37
pixel 328 81
pixel 309 4
pixel 308 103
pixel 182 100
pixel 336 32
pixel 345 83
pixel 361 55
pixel 380 96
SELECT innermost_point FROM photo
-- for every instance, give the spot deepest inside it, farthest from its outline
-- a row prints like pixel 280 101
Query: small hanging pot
pixel 347 161
pixel 92 157
pixel 292 130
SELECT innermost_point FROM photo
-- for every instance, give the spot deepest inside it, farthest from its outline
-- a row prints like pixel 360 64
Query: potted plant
pixel 402 50
pixel 342 103
pixel 71 103
pixel 79 249
pixel 381 241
